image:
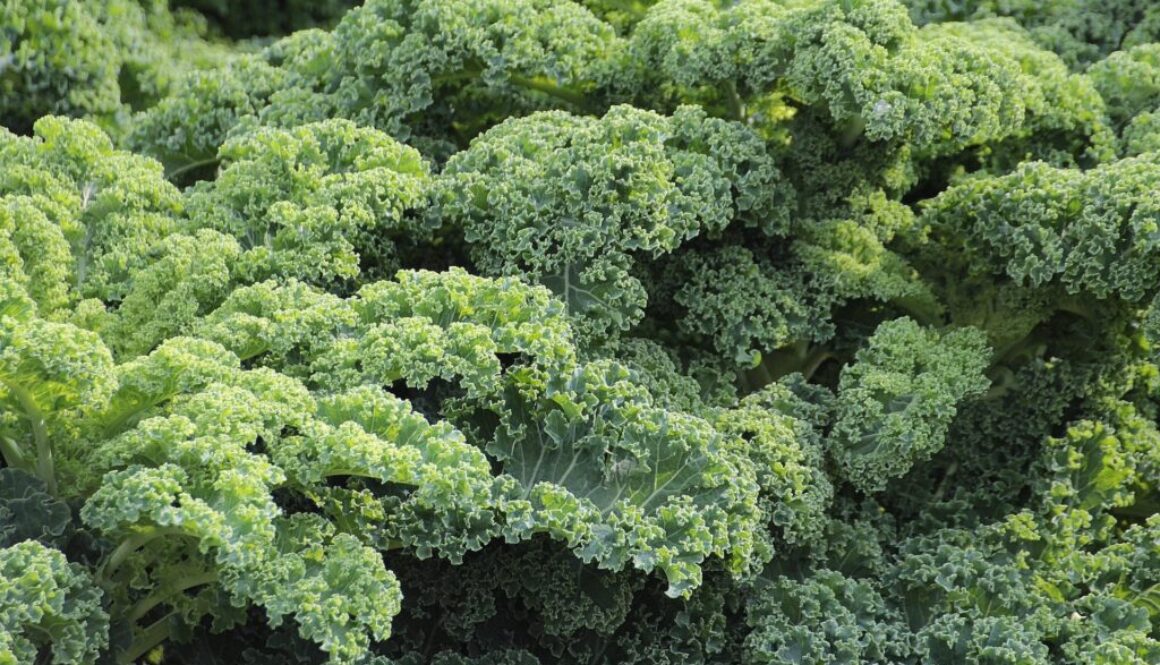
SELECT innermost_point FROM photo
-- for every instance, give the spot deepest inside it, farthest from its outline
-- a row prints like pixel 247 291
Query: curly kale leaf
pixel 47 603
pixel 572 202
pixel 896 400
pixel 316 203
pixel 623 481
pixel 1091 232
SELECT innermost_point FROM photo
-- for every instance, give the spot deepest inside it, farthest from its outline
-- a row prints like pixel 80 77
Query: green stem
pixel 353 473
pixel 469 71
pixel 1024 348
pixel 551 89
pixel 128 547
pixel 1002 383
pixel 755 379
pixel 472 70
pixel 815 360
pixel 944 482
pixel 146 640
pixel 83 253
pixel 850 130
pixel 1141 598
pixel 786 361
pixel 186 168
pixel 13 455
pixel 126 415
pixel 733 102
pixel 44 465
pixel 167 591
pixel 1078 307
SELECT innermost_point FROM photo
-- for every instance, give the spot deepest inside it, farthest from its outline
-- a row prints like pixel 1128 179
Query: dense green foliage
pixel 530 332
